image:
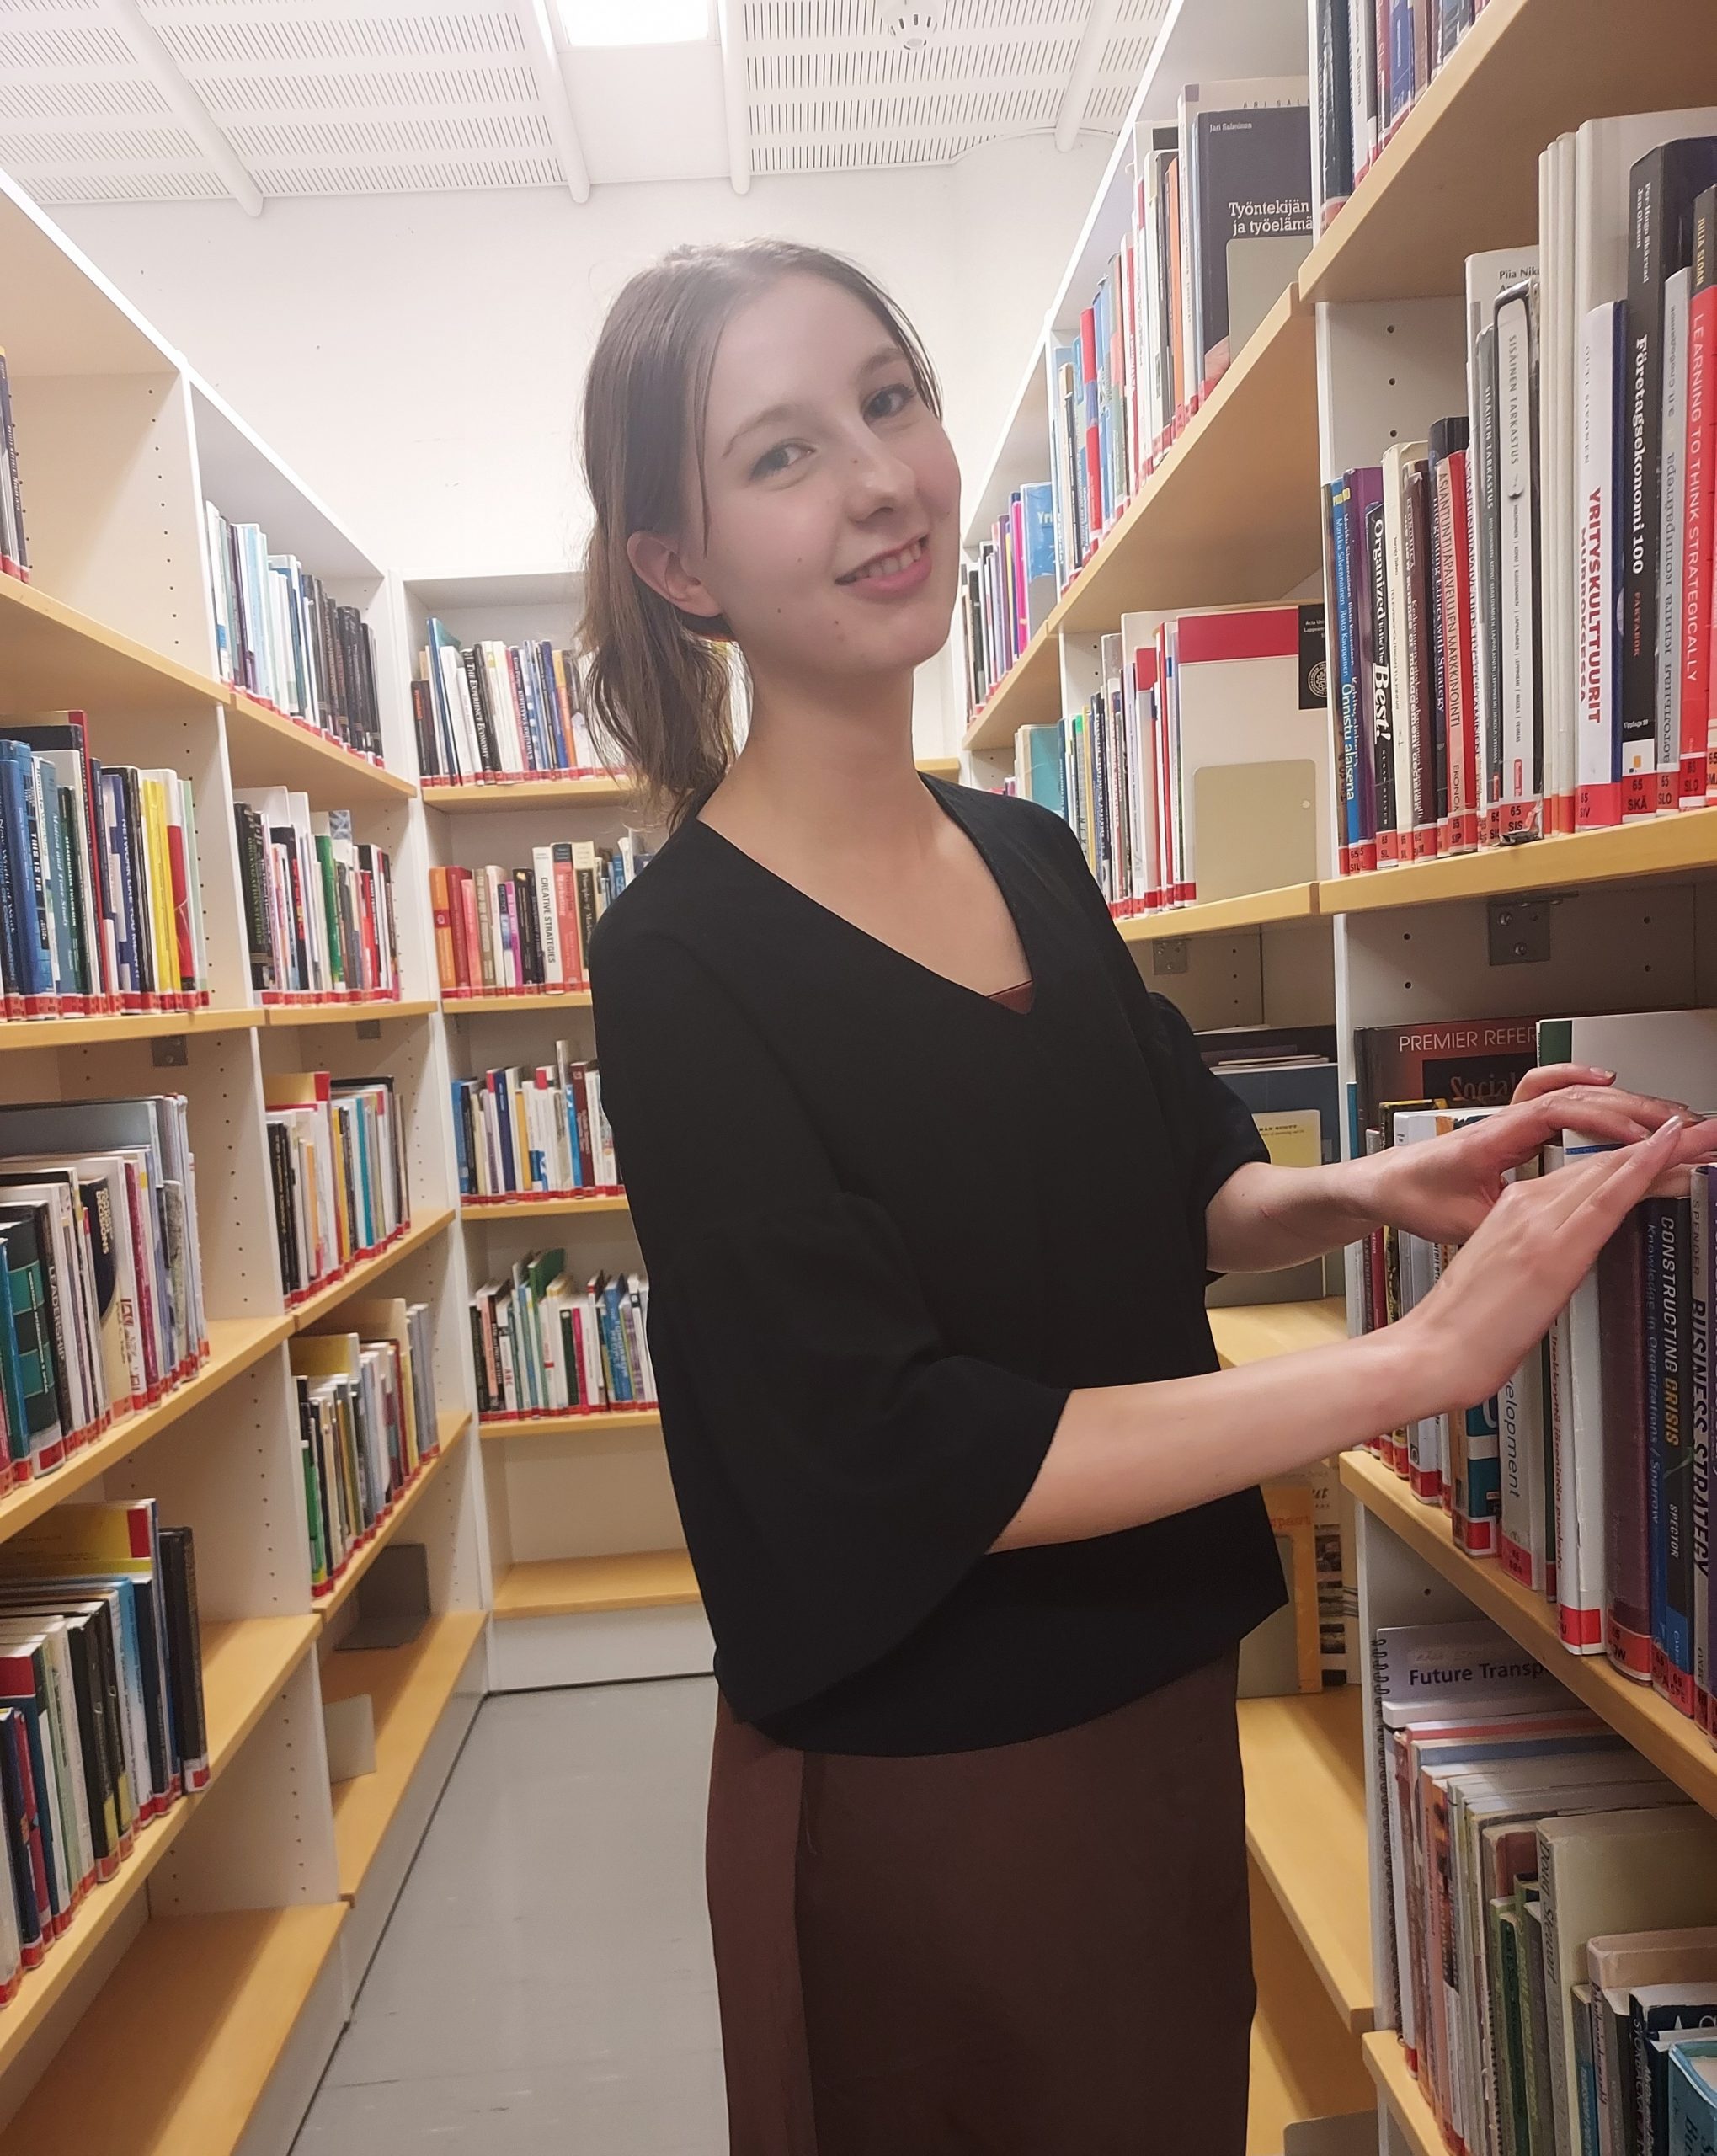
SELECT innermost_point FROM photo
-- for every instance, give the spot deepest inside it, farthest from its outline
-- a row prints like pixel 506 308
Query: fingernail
pixel 1610 1075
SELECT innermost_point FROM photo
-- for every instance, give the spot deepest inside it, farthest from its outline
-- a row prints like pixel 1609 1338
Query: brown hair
pixel 658 679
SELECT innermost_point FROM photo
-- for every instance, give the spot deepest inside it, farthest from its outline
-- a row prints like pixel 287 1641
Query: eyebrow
pixel 885 356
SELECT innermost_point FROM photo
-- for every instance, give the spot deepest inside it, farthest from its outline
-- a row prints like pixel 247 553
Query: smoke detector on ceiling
pixel 915 23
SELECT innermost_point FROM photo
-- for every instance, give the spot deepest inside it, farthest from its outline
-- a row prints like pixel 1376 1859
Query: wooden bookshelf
pixel 1225 916
pixel 265 748
pixel 1667 846
pixel 19 1033
pixel 502 1429
pixel 452 1425
pixel 244 1666
pixel 337 1014
pixel 562 1207
pixel 409 1687
pixel 1387 2064
pixel 1252 1332
pixel 1306 2063
pixel 1634 1711
pixel 1029 694
pixel 947 767
pixel 177 2048
pixel 485 1007
pixel 53 658
pixel 1305 1761
pixel 1460 174
pixel 483 797
pixel 575 1586
pixel 235 1343
pixel 367 1271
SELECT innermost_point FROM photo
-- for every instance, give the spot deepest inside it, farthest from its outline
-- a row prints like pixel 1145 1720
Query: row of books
pixel 526 1132
pixel 1010 589
pixel 101 1286
pixel 493 710
pixel 318 901
pixel 1371 59
pixel 283 638
pixel 502 932
pixel 365 1388
pixel 1199 767
pixel 337 1158
pixel 1522 604
pixel 543 1345
pixel 101 907
pixel 1551 1908
pixel 102 1721
pixel 14 547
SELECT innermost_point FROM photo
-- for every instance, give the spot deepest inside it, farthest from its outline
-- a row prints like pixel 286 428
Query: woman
pixel 927 1184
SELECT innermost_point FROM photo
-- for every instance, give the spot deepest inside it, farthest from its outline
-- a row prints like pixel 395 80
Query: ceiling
pixel 168 100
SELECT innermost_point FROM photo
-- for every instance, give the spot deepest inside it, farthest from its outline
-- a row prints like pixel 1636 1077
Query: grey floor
pixel 545 1985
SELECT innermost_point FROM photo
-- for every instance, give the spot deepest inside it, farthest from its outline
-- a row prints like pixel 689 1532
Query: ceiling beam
pixel 547 65
pixel 158 63
pixel 734 84
pixel 1100 27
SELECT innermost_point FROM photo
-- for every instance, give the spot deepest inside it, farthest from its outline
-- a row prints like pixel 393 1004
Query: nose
pixel 878 480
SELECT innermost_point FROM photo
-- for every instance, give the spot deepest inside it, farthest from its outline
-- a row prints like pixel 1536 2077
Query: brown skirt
pixel 1038 1950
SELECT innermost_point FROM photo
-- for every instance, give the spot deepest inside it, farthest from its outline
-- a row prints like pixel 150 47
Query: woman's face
pixel 833 496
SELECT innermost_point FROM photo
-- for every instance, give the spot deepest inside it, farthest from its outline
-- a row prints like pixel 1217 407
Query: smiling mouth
pixel 885 564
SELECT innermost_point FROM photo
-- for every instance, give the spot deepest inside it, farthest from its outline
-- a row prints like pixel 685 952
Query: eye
pixel 890 402
pixel 778 459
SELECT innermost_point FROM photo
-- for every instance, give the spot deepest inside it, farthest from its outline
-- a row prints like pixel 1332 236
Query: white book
pixel 1577 1431
pixel 1399 459
pixel 548 921
pixel 1522 1541
pixel 1516 721
pixel 504 707
pixel 1666 701
pixel 1597 703
pixel 1138 636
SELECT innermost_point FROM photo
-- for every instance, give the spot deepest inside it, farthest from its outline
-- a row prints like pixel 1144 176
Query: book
pixel 534 1130
pixel 546 1344
pixel 523 931
pixel 318 902
pixel 338 1157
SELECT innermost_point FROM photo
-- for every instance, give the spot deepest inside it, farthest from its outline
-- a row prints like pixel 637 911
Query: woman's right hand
pixel 1499 1296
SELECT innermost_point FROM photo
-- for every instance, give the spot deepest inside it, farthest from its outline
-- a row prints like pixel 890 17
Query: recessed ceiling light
pixel 635 22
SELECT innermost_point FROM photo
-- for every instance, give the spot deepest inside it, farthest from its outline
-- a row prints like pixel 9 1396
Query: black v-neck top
pixel 889 1223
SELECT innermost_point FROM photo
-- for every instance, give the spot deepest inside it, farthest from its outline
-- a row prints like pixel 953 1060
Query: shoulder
pixel 1009 818
pixel 669 896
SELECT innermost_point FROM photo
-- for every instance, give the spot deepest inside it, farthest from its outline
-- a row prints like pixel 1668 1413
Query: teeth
pixel 889 565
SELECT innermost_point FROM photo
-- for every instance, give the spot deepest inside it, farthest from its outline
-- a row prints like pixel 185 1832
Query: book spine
pixel 1699 1423
pixel 1699 764
pixel 1673 436
pixel 1621 1280
pixel 1668 1240
pixel 1641 490
pixel 1380 706
pixel 1454 583
pixel 1517 712
pixel 1598 766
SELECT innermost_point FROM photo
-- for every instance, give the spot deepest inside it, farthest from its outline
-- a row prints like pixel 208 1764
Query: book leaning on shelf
pixel 336 1155
pixel 365 1389
pixel 101 906
pixel 103 1726
pixel 498 711
pixel 14 548
pixel 282 637
pixel 540 1132
pixel 1009 589
pixel 318 902
pixel 543 1345
pixel 511 931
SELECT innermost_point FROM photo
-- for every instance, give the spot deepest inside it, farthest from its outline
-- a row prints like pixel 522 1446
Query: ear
pixel 657 562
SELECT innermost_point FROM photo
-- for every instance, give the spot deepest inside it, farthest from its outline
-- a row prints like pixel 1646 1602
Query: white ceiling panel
pixel 338 96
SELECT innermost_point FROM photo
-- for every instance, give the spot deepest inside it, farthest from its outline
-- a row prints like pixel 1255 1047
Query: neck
pixel 831 762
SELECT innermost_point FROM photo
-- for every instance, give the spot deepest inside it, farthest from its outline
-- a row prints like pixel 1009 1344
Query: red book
pixel 566 915
pixel 27 1827
pixel 446 969
pixel 1699 764
pixel 1621 1289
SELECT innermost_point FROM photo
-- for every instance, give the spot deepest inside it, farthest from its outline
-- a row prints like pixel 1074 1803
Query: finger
pixel 1553 1077
pixel 1604 1112
pixel 1625 1178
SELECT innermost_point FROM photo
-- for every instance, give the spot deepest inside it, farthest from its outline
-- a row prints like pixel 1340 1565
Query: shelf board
pixel 1305 1827
pixel 235 1343
pixel 1306 2063
pixel 485 796
pixel 947 767
pixel 1224 916
pixel 538 1209
pixel 176 2049
pixel 1387 2064
pixel 1634 1711
pixel 409 1687
pixel 1252 1332
pixel 244 1666
pixel 1231 512
pixel 1666 845
pixel 19 1033
pixel 452 1426
pixel 337 1014
pixel 575 1586
pixel 1461 172
pixel 263 749
pixel 368 1270
pixel 1029 694
pixel 480 1007
pixel 501 1429
pixel 52 657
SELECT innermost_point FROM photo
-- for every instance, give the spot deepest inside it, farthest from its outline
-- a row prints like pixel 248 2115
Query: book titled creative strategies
pixel 101 907
pixel 490 710
pixel 103 1726
pixel 516 932
pixel 364 1383
pixel 336 1159
pixel 534 1131
pixel 544 1344
pixel 282 637
pixel 318 902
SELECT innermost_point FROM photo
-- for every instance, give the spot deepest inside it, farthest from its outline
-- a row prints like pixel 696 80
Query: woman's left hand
pixel 1443 1189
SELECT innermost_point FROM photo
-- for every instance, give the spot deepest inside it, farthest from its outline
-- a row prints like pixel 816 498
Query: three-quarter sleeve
pixel 839 1473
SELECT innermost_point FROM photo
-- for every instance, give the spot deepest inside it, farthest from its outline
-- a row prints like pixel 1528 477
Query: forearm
pixel 1124 1454
pixel 1265 1217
